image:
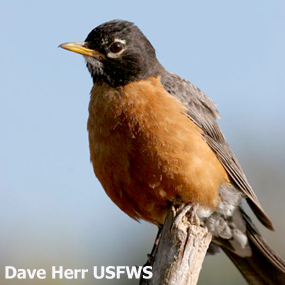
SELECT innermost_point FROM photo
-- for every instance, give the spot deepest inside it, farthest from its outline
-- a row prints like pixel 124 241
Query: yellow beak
pixel 80 47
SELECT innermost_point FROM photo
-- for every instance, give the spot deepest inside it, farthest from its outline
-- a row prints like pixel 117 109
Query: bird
pixel 155 142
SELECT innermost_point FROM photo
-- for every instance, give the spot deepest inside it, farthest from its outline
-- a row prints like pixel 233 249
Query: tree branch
pixel 181 251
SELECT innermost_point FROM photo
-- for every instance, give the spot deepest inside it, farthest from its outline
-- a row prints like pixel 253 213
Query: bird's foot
pixel 190 211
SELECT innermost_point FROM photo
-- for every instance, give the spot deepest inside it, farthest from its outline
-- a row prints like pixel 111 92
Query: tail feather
pixel 264 266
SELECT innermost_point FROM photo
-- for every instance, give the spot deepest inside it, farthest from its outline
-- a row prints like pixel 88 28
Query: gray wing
pixel 203 112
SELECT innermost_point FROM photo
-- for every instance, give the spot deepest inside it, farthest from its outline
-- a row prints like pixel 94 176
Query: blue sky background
pixel 53 210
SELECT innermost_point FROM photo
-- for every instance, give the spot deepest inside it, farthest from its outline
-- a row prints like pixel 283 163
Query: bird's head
pixel 117 52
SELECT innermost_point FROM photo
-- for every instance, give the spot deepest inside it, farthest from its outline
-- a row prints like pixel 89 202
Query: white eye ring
pixel 116 48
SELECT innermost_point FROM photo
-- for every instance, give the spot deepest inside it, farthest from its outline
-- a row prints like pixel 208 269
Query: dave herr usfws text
pixel 99 272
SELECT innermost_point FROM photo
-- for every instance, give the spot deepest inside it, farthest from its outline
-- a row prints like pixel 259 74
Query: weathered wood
pixel 181 251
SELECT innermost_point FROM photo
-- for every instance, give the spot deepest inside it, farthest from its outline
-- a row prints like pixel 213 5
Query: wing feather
pixel 203 112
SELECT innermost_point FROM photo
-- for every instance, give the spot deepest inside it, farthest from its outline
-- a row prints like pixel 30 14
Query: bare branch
pixel 181 251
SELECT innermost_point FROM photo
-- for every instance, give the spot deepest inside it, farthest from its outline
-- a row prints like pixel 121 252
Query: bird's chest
pixel 111 129
pixel 125 124
pixel 130 127
pixel 146 152
pixel 118 131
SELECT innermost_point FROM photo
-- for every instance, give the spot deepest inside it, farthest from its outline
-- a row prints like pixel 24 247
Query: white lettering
pixel 41 274
pixel 148 271
pixel 134 270
pixel 82 271
pixel 14 272
pixel 112 271
pixel 120 270
pixel 31 273
pixel 21 274
pixel 54 272
pixel 68 274
pixel 102 272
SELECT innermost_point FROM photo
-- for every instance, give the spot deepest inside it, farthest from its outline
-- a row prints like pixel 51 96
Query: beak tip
pixel 64 45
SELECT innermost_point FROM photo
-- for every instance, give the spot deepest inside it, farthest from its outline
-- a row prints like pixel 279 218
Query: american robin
pixel 154 141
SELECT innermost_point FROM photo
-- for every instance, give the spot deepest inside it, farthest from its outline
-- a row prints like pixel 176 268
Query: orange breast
pixel 146 152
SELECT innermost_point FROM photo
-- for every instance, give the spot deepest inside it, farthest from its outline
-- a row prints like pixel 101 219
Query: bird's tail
pixel 264 266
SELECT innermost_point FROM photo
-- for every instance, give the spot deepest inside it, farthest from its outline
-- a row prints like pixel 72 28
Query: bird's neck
pixel 121 77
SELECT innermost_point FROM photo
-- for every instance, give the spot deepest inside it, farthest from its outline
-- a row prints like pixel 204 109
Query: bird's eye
pixel 116 47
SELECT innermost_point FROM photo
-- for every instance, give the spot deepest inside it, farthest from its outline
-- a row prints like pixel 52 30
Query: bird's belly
pixel 147 153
